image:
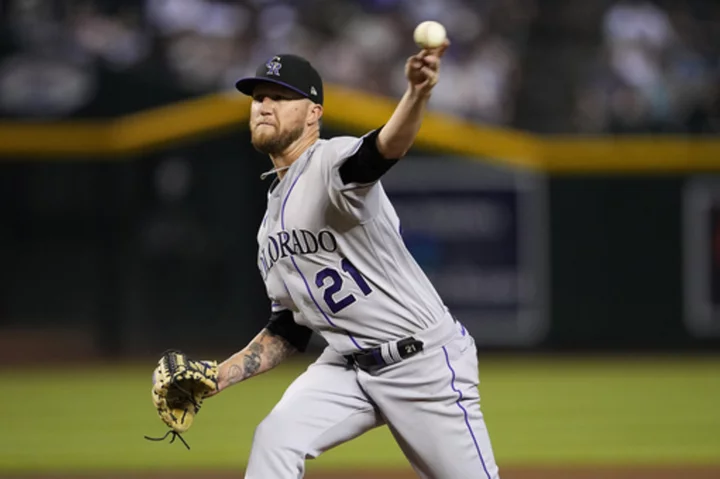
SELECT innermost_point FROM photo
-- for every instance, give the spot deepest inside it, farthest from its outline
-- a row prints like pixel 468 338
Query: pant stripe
pixel 465 413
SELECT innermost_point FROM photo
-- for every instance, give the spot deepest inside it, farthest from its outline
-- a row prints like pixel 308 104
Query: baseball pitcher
pixel 333 261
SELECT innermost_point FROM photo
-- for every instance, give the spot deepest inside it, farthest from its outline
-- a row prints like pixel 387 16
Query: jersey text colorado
pixel 294 242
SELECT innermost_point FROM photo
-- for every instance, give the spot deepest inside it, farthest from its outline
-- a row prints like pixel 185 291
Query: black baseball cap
pixel 291 71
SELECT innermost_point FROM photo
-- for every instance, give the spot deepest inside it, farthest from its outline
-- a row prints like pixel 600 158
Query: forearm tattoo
pixel 278 349
pixel 264 353
pixel 253 358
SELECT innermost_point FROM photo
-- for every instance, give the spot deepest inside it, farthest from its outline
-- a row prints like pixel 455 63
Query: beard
pixel 274 142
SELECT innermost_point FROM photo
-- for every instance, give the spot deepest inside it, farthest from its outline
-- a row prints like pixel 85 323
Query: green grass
pixel 550 411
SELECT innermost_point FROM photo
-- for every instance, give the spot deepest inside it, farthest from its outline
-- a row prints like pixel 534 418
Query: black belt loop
pixel 373 358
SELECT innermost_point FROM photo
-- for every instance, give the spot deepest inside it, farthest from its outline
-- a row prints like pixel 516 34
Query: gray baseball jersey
pixel 332 254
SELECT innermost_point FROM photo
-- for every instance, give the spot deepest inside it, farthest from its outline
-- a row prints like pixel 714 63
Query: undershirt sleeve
pixel 366 165
pixel 282 324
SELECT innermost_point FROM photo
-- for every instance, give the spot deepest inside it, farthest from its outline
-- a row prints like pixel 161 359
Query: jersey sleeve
pixel 353 168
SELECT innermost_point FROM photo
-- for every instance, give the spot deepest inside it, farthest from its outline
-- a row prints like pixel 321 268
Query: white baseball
pixel 429 34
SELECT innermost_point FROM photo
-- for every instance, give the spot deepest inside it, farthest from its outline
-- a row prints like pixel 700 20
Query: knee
pixel 268 430
pixel 274 452
pixel 272 434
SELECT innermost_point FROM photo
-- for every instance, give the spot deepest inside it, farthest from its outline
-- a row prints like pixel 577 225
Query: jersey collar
pixel 273 190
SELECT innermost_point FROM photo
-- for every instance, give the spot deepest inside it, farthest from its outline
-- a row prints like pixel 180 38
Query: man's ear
pixel 315 114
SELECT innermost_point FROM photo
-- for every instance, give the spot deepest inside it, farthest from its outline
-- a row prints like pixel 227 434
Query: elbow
pixel 394 154
pixel 392 150
pixel 393 144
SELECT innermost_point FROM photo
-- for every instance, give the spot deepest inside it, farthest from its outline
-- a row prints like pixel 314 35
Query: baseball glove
pixel 180 385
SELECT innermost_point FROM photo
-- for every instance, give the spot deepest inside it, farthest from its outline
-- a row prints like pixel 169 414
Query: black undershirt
pixel 283 324
pixel 367 165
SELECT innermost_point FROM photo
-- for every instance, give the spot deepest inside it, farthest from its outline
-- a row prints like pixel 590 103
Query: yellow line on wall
pixel 145 130
pixel 181 121
pixel 361 112
pixel 636 154
pixel 59 139
pixel 357 112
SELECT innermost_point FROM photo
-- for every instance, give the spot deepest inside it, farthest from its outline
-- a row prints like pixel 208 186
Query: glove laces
pixel 175 434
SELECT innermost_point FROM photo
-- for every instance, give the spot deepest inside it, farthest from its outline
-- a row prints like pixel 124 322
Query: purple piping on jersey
pixel 286 289
pixel 307 286
pixel 465 413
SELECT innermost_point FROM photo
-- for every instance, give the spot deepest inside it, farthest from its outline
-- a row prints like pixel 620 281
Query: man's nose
pixel 267 103
pixel 266 108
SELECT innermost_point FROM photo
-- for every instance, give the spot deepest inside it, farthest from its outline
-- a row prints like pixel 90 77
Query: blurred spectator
pixel 656 65
pixel 201 46
pixel 651 74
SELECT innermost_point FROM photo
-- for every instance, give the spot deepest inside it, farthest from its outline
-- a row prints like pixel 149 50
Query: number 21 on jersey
pixel 335 283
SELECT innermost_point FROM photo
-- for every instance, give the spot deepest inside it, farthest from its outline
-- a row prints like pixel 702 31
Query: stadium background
pixel 563 195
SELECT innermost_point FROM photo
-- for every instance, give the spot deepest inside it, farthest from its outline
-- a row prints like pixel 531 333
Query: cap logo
pixel 273 67
pixel 313 91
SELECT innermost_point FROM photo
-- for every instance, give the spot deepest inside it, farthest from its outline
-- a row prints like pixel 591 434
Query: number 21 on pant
pixel 335 284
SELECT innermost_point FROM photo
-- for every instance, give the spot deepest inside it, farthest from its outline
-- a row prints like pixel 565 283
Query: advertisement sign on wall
pixel 480 235
pixel 701 256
